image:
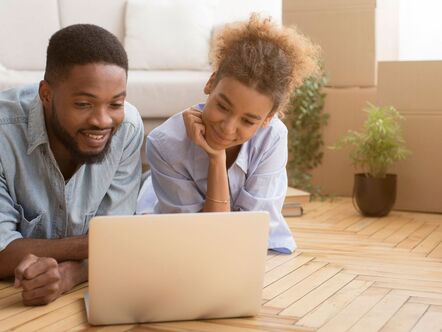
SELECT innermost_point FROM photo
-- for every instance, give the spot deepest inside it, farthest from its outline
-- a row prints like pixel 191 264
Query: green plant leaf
pixel 379 144
pixel 305 120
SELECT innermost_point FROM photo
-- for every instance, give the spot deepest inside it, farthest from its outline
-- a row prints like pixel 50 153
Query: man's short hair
pixel 82 44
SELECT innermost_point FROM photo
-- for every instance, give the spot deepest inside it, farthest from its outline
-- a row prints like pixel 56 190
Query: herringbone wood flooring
pixel 349 273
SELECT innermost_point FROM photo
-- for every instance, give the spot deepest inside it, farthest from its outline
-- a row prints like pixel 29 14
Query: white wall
pixel 409 30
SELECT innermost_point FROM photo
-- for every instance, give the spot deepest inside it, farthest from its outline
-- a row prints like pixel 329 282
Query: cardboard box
pixel 411 85
pixel 345 29
pixel 414 88
pixel 345 106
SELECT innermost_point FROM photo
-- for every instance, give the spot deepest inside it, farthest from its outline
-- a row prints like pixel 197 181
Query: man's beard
pixel 71 145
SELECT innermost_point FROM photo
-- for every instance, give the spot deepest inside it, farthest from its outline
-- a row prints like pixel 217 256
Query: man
pixel 69 151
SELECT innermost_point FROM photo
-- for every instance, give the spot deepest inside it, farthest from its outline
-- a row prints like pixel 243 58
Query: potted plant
pixel 305 120
pixel 374 150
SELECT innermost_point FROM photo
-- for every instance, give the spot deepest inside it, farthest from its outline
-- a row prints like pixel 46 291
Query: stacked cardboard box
pixel 413 87
pixel 345 30
pixel 345 106
pixel 354 35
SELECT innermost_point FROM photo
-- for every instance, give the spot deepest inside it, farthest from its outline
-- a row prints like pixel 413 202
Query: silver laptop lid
pixel 167 267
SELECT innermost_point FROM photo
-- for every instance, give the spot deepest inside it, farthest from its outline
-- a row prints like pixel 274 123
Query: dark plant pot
pixel 374 197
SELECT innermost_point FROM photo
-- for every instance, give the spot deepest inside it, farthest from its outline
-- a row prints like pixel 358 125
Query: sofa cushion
pixel 105 13
pixel 155 93
pixel 234 10
pixel 168 34
pixel 26 28
pixel 162 93
pixel 15 78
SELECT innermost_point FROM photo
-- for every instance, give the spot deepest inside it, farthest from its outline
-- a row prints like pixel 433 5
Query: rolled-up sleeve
pixel 265 190
pixel 176 192
pixel 9 215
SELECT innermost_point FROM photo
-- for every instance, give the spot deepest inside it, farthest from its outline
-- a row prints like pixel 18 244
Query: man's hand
pixel 42 279
pixel 74 249
pixel 196 131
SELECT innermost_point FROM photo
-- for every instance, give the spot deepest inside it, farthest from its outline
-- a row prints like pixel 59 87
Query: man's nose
pixel 100 118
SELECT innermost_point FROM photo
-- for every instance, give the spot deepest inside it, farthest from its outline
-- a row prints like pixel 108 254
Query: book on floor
pixel 294 195
pixel 292 210
pixel 294 201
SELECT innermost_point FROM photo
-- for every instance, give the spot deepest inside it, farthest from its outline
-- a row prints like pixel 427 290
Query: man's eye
pixel 82 105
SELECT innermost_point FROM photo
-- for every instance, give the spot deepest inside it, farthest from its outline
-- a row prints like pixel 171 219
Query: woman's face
pixel 233 112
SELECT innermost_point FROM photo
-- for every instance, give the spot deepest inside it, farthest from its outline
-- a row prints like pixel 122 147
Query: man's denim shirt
pixel 35 201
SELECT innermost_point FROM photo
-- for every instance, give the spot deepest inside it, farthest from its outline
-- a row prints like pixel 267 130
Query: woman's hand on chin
pixel 196 131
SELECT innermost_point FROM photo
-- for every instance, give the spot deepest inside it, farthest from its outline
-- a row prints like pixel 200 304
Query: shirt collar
pixel 242 160
pixel 37 133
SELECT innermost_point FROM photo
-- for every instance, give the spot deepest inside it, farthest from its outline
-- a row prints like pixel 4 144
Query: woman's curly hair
pixel 270 58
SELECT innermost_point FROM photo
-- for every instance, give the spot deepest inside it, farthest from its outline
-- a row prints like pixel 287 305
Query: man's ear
pixel 45 93
pixel 210 85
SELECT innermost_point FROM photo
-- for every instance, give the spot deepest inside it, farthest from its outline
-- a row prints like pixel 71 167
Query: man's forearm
pixel 73 273
pixel 67 249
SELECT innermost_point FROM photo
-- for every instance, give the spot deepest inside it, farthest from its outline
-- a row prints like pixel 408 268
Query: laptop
pixel 168 267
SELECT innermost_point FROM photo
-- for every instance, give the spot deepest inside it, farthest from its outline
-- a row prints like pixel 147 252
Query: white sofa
pixel 166 40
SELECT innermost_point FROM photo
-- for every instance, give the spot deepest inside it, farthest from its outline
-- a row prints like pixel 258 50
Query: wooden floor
pixel 350 273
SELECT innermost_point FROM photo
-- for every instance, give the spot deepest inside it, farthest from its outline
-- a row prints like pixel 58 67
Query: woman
pixel 230 153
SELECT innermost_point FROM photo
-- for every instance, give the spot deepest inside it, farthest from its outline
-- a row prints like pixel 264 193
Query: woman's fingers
pixel 198 133
pixel 190 118
pixel 196 130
